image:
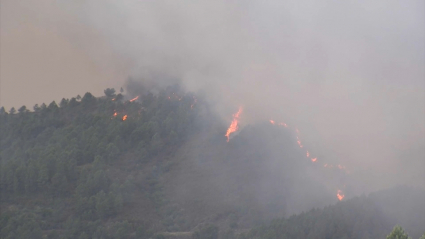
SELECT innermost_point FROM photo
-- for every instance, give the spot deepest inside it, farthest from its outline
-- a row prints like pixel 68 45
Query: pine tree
pixel 398 233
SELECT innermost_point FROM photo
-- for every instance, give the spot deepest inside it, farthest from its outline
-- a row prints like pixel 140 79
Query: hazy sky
pixel 349 74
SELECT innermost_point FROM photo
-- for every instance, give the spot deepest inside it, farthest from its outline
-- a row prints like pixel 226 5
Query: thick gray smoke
pixel 349 75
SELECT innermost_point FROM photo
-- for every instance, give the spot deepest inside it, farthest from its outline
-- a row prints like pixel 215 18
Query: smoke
pixel 349 75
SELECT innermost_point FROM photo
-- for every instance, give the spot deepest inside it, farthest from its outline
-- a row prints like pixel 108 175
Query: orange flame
pixel 115 114
pixel 283 124
pixel 135 98
pixel 340 195
pixel 280 124
pixel 308 154
pixel 124 118
pixel 313 160
pixel 234 125
pixel 299 142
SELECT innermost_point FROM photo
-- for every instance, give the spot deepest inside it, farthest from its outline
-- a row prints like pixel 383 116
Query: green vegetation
pixel 398 233
pixel 81 169
pixel 68 170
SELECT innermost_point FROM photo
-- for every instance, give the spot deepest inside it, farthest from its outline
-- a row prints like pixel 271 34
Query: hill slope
pixel 114 168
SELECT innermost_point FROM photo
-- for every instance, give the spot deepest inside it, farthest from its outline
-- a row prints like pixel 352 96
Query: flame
pixel 124 118
pixel 115 114
pixel 340 195
pixel 280 124
pixel 234 125
pixel 134 99
pixel 283 124
pixel 299 142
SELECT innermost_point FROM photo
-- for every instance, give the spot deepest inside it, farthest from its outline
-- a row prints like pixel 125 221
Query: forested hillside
pixel 69 170
pixel 154 163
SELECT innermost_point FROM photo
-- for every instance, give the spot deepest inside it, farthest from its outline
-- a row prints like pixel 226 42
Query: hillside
pixel 155 163
pixel 359 217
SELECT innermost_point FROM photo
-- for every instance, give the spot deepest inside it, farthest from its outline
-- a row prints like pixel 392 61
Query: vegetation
pixel 107 168
pixel 398 233
pixel 62 170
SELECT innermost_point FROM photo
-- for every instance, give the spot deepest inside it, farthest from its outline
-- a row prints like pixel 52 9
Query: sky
pixel 349 74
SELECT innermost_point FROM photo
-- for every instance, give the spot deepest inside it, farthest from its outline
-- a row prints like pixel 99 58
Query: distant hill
pixel 155 163
pixel 359 217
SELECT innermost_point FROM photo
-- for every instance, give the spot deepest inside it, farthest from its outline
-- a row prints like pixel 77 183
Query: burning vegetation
pixel 234 126
pixel 263 172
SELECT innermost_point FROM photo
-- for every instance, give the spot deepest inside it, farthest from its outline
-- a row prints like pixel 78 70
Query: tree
pixel 121 90
pixel 3 111
pixel 88 98
pixel 423 236
pixel 36 108
pixel 73 102
pixel 109 92
pixel 53 106
pixel 23 109
pixel 398 233
pixel 63 102
pixel 12 111
pixel 119 97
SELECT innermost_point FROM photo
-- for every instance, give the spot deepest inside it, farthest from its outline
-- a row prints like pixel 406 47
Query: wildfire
pixel 283 124
pixel 175 97
pixel 134 99
pixel 234 125
pixel 115 114
pixel 340 195
pixel 280 124
pixel 299 142
pixel 124 118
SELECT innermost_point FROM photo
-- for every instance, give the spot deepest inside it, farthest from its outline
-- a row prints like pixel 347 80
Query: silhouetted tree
pixel 63 103
pixel 23 109
pixel 2 111
pixel 36 108
pixel 119 97
pixel 109 92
